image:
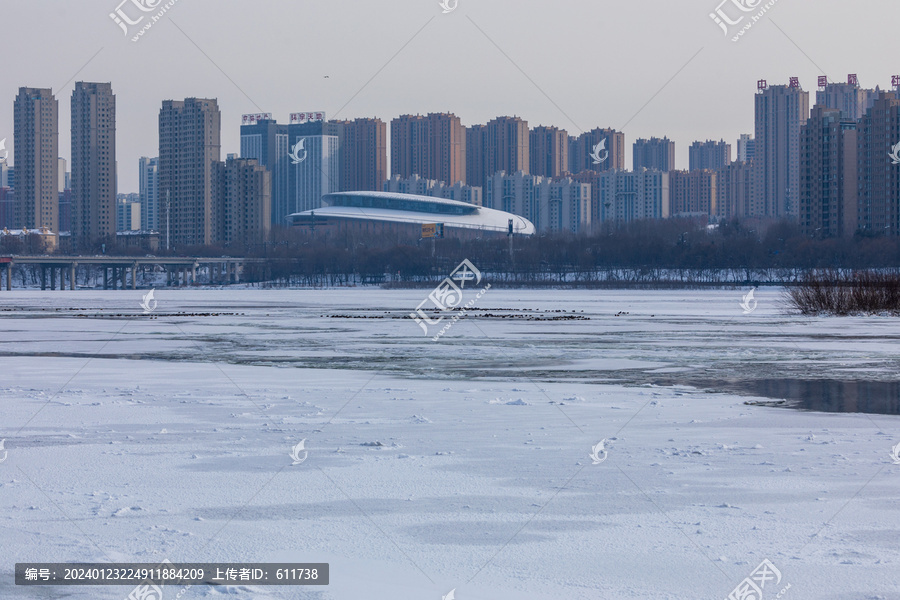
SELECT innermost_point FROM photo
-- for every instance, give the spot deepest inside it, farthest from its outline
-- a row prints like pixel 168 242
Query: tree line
pixel 678 250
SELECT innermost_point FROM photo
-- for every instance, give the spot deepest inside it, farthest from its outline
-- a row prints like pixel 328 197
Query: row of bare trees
pixel 676 251
pixel 845 293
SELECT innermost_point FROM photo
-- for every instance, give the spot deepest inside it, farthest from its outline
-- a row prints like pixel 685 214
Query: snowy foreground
pixel 135 438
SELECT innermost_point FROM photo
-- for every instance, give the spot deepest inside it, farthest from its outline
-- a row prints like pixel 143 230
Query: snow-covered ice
pixel 459 464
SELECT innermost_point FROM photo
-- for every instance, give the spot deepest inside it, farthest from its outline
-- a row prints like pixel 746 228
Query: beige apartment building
pixel 36 144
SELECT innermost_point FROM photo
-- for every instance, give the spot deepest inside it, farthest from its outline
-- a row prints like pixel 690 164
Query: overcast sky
pixel 574 64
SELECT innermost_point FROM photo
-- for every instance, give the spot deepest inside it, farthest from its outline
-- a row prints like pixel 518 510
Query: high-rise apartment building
pixel 828 178
pixel 656 154
pixel 415 185
pixel 7 207
pixel 65 210
pixel 561 204
pixel 128 212
pixel 433 146
pixel 189 150
pixel 363 151
pixel 733 190
pixel 448 148
pixel 620 196
pixel 709 155
pixel 593 179
pixel 692 193
pixel 244 188
pixel 507 143
pixel 265 141
pixel 410 146
pixel 878 134
pixel 64 178
pixel 36 142
pixel 148 176
pixel 780 112
pixel 746 148
pixel 462 193
pixel 314 163
pixel 565 205
pixel 514 193
pixel 475 158
pixel 597 150
pixel 549 150
pixel 6 175
pixel 432 187
pixel 852 100
pixel 93 165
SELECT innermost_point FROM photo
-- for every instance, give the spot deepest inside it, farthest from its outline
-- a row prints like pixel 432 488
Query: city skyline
pixel 707 97
pixel 574 150
pixel 435 145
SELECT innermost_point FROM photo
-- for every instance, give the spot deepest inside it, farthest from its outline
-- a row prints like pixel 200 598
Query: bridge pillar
pixel 124 278
pixel 72 277
pixel 8 277
pixel 237 272
pixel 134 276
pixel 105 278
pixel 43 278
pixel 194 274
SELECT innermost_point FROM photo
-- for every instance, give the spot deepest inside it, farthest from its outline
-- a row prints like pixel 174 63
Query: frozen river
pixel 457 464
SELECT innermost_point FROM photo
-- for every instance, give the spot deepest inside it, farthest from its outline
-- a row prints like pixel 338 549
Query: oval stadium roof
pixel 415 209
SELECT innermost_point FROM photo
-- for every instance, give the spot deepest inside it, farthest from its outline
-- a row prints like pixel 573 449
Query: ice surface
pixel 135 437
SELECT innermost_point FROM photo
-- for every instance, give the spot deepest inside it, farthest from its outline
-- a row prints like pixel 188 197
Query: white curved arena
pixel 371 211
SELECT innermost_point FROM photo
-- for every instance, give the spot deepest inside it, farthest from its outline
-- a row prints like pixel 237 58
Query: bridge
pixel 180 271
